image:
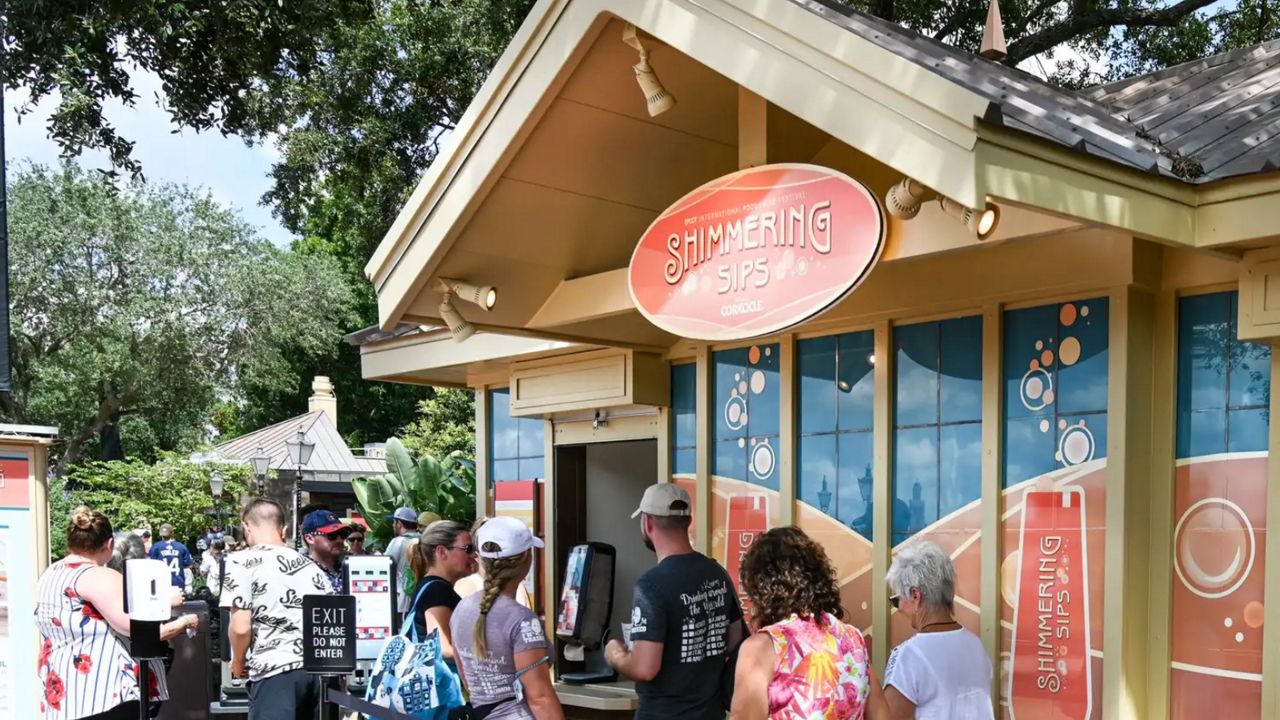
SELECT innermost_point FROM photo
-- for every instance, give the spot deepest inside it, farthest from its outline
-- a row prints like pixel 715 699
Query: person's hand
pixel 237 669
pixel 176 596
pixel 614 651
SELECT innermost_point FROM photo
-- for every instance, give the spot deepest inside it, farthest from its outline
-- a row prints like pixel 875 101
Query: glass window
pixel 517 445
pixel 937 452
pixel 835 408
pixel 1055 374
pixel 1224 383
pixel 747 407
pixel 684 425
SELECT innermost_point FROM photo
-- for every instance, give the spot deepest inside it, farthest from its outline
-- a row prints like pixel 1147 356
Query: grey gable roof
pixel 1203 121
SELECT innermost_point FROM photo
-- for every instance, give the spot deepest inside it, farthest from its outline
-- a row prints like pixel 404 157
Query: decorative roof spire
pixel 993 45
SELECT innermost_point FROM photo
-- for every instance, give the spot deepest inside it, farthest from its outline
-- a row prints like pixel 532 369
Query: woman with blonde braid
pixel 500 644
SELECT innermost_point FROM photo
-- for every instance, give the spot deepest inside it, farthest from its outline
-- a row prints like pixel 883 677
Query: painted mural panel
pixel 1051 575
pixel 937 452
pixel 1219 514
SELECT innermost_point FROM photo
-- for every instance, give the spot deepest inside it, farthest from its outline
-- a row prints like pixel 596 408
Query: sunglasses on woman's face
pixel 356 538
pixel 468 549
pixel 894 600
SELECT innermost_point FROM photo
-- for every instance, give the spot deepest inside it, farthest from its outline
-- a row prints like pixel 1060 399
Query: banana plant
pixel 446 489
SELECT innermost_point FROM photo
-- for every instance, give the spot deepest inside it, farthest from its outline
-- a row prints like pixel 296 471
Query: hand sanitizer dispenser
pixel 148 601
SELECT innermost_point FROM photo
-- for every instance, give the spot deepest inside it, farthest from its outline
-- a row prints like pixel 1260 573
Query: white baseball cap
pixel 665 500
pixel 511 537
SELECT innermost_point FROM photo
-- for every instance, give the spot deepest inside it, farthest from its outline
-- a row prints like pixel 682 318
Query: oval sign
pixel 756 252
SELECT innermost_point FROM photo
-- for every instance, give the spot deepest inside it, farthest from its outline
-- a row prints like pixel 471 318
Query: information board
pixel 329 634
pixel 369 581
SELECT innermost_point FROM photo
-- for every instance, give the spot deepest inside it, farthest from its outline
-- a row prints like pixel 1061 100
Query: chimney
pixel 322 398
pixel 993 45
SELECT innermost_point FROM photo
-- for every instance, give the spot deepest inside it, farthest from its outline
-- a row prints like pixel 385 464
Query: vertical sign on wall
pixel 17 576
pixel 1051 664
pixel 748 519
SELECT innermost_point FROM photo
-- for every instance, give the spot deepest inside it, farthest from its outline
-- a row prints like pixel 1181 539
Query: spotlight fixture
pixel 655 95
pixel 482 296
pixel 904 198
pixel 458 325
pixel 980 222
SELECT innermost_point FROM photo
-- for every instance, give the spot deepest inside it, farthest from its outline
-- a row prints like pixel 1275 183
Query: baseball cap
pixel 404 514
pixel 322 522
pixel 510 535
pixel 660 500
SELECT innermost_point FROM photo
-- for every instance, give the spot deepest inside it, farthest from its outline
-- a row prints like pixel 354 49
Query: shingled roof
pixel 1206 120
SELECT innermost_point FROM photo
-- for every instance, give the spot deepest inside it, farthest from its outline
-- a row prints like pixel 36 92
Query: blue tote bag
pixel 411 675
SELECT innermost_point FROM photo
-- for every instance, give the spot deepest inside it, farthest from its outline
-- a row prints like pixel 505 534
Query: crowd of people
pixel 692 649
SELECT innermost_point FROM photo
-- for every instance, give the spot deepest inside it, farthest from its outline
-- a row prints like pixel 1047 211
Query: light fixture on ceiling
pixel 904 199
pixel 655 95
pixel 458 325
pixel 482 296
pixel 980 222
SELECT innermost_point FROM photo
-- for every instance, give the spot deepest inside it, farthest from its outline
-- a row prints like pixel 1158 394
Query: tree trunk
pixel 107 409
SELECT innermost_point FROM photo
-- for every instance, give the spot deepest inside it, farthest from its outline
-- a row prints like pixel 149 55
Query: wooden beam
pixel 882 493
pixel 1163 432
pixel 1271 605
pixel 753 130
pixel 705 419
pixel 590 297
pixel 484 414
pixel 787 430
pixel 992 484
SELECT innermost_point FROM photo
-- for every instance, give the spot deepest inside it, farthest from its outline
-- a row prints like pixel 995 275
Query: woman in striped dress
pixel 85 670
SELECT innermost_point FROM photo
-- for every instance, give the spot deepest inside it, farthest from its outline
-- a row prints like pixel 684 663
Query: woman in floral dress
pixel 84 667
pixel 802 662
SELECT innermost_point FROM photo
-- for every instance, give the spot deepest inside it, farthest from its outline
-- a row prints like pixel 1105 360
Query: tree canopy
pixel 136 308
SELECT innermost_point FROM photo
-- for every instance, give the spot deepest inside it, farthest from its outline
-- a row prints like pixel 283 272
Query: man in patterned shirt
pixel 263 586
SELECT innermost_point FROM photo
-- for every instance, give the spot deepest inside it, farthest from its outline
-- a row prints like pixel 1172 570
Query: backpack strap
pixel 408 628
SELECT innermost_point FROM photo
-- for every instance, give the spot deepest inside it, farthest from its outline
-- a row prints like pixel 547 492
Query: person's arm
pixel 751 679
pixel 538 692
pixel 103 588
pixel 648 633
pixel 900 684
pixel 900 708
pixel 438 618
pixel 239 632
pixel 877 707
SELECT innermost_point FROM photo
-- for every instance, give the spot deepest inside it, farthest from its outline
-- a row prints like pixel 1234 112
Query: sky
pixel 233 173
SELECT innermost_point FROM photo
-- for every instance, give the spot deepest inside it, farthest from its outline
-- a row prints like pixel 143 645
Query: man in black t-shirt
pixel 685 620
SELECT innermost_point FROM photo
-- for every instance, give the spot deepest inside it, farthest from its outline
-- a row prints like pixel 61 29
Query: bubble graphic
pixel 1046 358
pixel 1254 614
pixel 1039 345
pixel 768 351
pixel 742 443
pixel 1009 578
pixel 1084 311
pixel 1069 351
pixel 1067 315
pixel 1227 622
pixel 1048 397
pixel 762 460
pixel 1076 445
pixel 757 382
pixel 1239 637
pixel 1035 383
pixel 864 604
pixel 1214 548
pixel 1062 424
pixel 737 377
pixel 735 413
pixel 1044 426
pixel 1035 364
pixel 753 355
pixel 742 388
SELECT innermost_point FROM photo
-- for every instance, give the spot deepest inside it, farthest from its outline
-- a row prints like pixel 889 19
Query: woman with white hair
pixel 943 671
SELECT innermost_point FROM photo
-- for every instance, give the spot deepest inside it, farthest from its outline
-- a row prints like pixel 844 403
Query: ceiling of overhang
pixel 592 175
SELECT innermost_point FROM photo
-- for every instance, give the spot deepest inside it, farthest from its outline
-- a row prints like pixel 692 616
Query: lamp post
pixel 260 464
pixel 299 454
pixel 824 496
pixel 216 482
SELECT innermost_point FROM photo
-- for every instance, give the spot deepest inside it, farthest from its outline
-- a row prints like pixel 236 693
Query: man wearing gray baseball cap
pixel 685 619
pixel 404 523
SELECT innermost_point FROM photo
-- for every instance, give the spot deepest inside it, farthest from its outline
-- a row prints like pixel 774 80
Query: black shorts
pixel 292 695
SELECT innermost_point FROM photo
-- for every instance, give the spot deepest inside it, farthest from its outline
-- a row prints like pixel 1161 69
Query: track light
pixel 980 222
pixel 655 95
pixel 482 296
pixel 904 198
pixel 458 325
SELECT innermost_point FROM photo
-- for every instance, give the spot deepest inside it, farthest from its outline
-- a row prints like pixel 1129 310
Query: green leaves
pixel 446 489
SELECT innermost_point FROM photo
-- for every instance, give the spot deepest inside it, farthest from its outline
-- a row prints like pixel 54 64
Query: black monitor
pixel 586 604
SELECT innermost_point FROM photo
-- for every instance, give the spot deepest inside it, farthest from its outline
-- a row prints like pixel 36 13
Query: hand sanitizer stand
pixel 147 601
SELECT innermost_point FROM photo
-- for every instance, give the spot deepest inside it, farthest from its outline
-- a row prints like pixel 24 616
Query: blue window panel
pixel 1082 386
pixel 1023 329
pixel 684 399
pixel 765 406
pixel 532 469
pixel 915 480
pixel 1247 430
pixel 960 394
pixel 1028 450
pixel 1249 384
pixel 818 460
pixel 854 483
pixel 1204 330
pixel 505 441
pixel 1079 444
pixel 684 461
pixel 731 404
pixel 504 470
pixel 532 437
pixel 959 466
pixel 1202 432
pixel 729 460
pixel 816 404
pixel 856 382
pixel 916 389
